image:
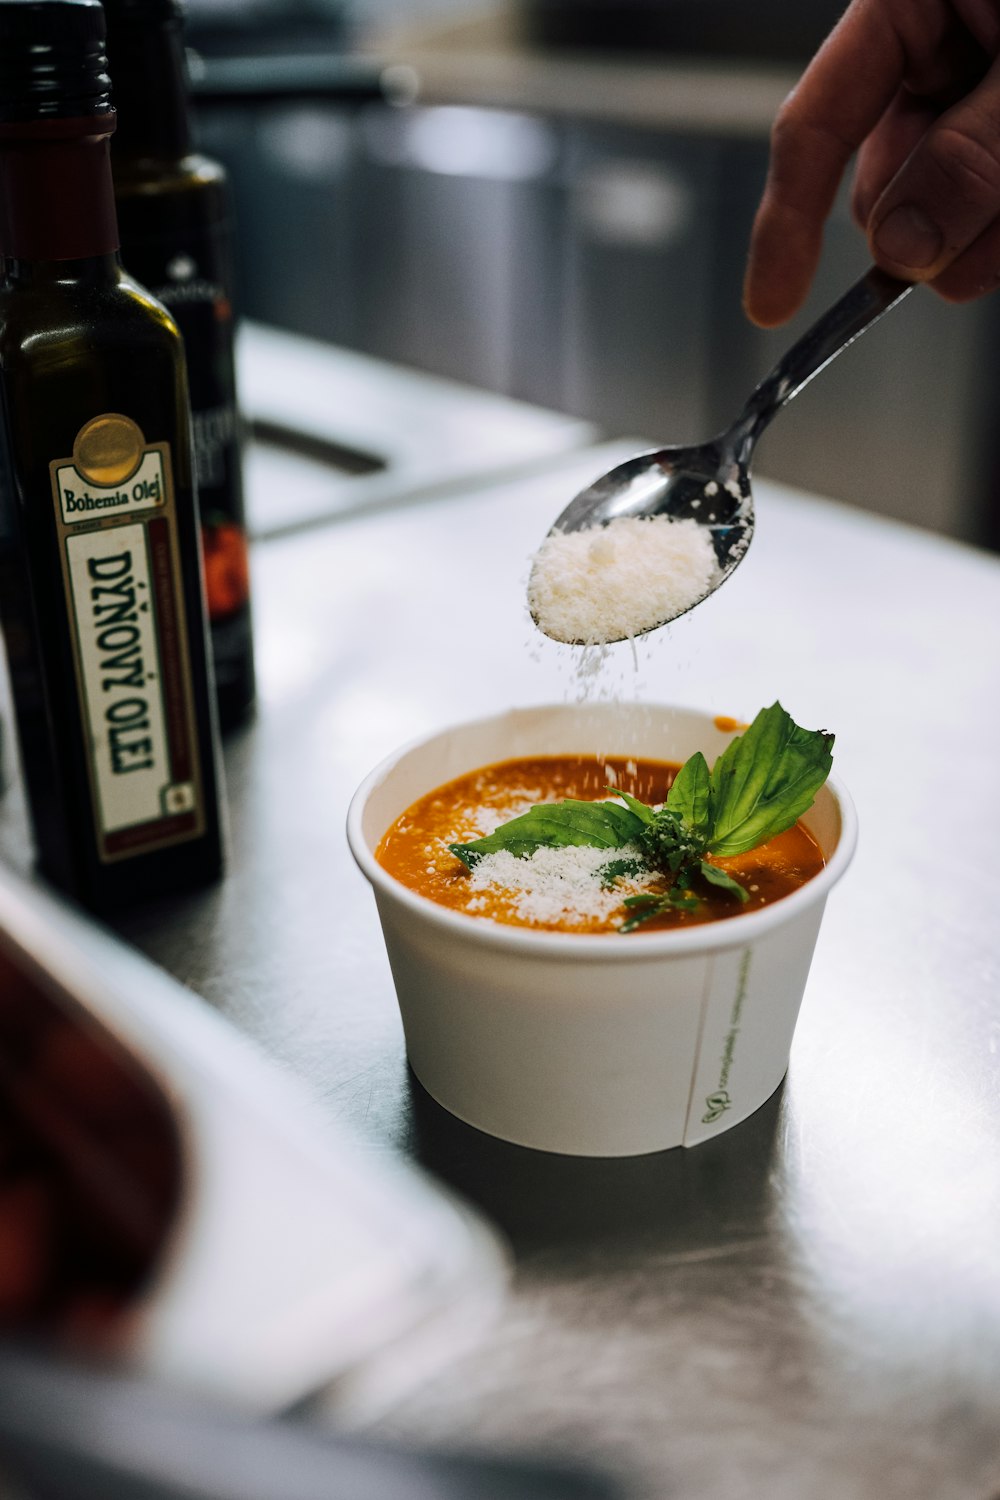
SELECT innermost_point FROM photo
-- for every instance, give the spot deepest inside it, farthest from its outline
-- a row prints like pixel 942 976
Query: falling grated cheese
pixel 610 583
pixel 556 885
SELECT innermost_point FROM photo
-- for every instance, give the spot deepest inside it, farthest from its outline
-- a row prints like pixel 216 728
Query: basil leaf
pixel 690 796
pixel 765 779
pixel 724 881
pixel 649 904
pixel 642 810
pixel 636 918
pixel 556 825
pixel 643 908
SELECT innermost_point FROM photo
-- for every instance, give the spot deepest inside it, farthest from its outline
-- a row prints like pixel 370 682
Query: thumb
pixel 946 193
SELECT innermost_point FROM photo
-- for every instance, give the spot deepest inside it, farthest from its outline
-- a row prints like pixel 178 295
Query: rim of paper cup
pixel 731 932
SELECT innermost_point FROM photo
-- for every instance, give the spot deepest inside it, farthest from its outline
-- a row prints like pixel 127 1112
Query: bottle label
pixel 215 433
pixel 118 539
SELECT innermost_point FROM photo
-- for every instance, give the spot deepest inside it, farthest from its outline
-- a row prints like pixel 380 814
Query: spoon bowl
pixel 709 483
pixel 706 484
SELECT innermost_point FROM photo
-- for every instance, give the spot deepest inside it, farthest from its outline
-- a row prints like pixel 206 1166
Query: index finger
pixel 840 98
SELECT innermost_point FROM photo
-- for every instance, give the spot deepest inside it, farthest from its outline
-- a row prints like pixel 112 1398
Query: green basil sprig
pixel 556 825
pixel 760 785
pixel 766 779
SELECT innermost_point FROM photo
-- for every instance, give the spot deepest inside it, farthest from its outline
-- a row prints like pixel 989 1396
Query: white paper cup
pixel 599 1045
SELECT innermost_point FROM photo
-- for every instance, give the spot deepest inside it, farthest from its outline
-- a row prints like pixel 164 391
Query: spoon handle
pixel 859 307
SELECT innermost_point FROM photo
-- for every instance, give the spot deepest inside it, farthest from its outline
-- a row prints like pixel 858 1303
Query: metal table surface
pixel 339 432
pixel 809 1304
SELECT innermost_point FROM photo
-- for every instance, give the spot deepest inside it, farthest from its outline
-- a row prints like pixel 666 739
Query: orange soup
pixel 565 890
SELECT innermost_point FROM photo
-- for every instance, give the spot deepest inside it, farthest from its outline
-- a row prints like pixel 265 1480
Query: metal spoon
pixel 710 483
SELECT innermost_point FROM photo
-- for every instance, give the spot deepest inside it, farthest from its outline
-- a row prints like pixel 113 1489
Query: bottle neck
pixel 91 270
pixel 150 92
pixel 57 198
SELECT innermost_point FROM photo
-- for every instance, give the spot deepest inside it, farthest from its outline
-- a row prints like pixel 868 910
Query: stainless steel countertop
pixel 810 1304
pixel 401 435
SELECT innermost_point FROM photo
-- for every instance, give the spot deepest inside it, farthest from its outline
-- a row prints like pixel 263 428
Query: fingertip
pixel 784 252
pixel 762 310
pixel 772 292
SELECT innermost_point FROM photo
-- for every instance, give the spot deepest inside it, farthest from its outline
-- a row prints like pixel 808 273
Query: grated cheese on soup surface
pixel 563 889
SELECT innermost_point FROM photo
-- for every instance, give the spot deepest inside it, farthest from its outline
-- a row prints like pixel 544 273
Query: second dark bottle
pixel 175 220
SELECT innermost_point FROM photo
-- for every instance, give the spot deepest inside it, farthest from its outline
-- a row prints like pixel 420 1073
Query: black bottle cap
pixel 53 62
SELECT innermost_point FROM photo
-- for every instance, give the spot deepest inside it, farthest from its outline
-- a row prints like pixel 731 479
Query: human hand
pixel 914 87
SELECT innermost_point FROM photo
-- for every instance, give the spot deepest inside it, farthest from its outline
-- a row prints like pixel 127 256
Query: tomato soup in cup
pixel 573 1036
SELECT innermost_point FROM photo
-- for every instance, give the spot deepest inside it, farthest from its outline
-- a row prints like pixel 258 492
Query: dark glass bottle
pixel 175 218
pixel 100 585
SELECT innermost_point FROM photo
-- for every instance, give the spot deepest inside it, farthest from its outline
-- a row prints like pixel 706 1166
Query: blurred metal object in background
pixel 601 276
pixel 238 28
pixel 637 284
pixel 737 28
pixel 567 257
pixel 447 201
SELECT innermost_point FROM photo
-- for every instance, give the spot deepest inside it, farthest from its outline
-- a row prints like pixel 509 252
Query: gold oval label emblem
pixel 109 449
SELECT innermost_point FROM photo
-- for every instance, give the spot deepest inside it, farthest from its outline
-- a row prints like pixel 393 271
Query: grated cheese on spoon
pixel 613 582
